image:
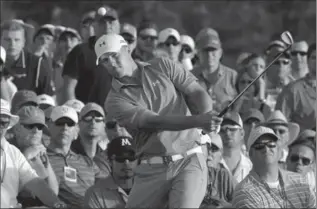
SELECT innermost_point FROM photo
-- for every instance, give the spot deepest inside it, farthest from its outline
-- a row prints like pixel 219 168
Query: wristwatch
pixel 59 205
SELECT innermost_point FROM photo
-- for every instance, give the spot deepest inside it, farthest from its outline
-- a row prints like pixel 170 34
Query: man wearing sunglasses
pixel 91 131
pixel 114 129
pixel 149 100
pixel 129 33
pixel 169 39
pixel 113 191
pixel 23 98
pixel 299 59
pixel 187 52
pixel 298 100
pixel 28 139
pixel 75 173
pixel 232 135
pixel 268 186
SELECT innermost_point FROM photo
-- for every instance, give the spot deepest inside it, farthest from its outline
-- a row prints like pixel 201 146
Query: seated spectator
pixel 28 139
pixel 75 173
pixel 46 138
pixel 170 40
pixel 220 182
pixel 45 101
pixel 113 191
pixel 16 172
pixel 267 186
pixel 250 120
pixel 91 130
pixel 75 104
pixel 187 52
pixel 23 98
pixel 302 155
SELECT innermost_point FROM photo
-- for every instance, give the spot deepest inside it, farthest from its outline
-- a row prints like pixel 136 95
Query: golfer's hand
pixel 210 122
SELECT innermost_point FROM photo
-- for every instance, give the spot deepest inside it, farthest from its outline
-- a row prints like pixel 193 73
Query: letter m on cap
pixel 125 142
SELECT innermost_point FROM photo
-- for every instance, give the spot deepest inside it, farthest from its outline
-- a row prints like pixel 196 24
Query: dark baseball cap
pixel 31 115
pixel 254 114
pixel 232 117
pixel 208 37
pixel 23 97
pixel 121 146
pixel 89 107
pixel 106 12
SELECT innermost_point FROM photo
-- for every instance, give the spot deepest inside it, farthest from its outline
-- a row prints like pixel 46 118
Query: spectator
pixel 147 41
pixel 298 100
pixel 250 120
pixel 27 70
pixel 115 130
pixel 91 130
pixel 16 172
pixel 45 101
pixel 75 173
pixel 187 52
pixel 267 186
pixel 44 40
pixel 217 79
pixel 160 125
pixel 75 104
pixel 232 135
pixel 113 191
pixel 129 33
pixel 7 88
pixel 240 63
pixel 23 98
pixel 28 139
pixel 87 29
pixel 220 182
pixel 80 65
pixel 299 59
pixel 169 38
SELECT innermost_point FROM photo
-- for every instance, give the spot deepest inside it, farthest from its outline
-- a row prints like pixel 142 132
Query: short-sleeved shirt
pixel 251 193
pixel 163 83
pixel 80 64
pixel 221 90
pixel 297 102
pixel 31 72
pixel 15 173
pixel 105 194
pixel 101 158
pixel 72 193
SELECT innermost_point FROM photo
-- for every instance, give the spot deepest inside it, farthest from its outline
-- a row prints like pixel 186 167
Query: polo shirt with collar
pixel 222 89
pixel 105 194
pixel 15 173
pixel 31 72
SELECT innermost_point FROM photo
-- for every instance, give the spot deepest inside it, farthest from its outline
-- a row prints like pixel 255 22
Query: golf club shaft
pixel 223 112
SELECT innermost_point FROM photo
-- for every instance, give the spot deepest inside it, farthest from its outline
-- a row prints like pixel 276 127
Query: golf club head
pixel 287 38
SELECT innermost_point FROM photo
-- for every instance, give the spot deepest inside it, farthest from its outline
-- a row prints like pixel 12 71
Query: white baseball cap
pixel 3 54
pixel 64 112
pixel 167 32
pixel 108 43
pixel 185 39
pixel 45 99
pixel 75 104
pixel 257 132
pixel 5 109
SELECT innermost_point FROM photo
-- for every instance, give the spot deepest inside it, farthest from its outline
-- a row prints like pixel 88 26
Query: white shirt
pixel 15 173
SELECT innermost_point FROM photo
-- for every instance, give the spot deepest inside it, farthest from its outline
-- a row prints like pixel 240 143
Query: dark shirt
pixel 31 72
pixel 80 64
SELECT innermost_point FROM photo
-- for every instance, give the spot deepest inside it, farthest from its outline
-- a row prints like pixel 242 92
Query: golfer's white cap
pixel 185 39
pixel 3 54
pixel 109 43
pixel 167 32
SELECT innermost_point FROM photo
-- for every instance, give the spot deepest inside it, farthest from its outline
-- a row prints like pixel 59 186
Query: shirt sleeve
pixel 45 79
pixel 243 199
pixel 26 172
pixel 72 63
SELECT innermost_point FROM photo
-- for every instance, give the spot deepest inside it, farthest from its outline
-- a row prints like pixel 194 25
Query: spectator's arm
pixel 45 83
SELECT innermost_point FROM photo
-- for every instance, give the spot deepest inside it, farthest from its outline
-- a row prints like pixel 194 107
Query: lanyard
pixel 4 165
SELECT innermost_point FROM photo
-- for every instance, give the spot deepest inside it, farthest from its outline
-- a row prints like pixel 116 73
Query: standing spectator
pixel 217 79
pixel 113 191
pixel 267 186
pixel 169 38
pixel 187 52
pixel 75 173
pixel 129 33
pixel 27 70
pixel 232 135
pixel 299 59
pixel 16 172
pixel 164 128
pixel 147 41
pixel 43 42
pixel 298 100
pixel 80 65
pixel 87 29
pixel 240 63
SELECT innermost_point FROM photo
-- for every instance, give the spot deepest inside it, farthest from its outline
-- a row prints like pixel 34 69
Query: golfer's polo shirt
pixel 72 193
pixel 297 102
pixel 105 194
pixel 223 89
pixel 161 93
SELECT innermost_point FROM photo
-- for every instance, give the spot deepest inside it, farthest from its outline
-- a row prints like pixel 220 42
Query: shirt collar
pixel 20 61
pixel 53 153
pixel 199 72
pixel 78 148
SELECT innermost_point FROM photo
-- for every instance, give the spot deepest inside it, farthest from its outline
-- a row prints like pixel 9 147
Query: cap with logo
pixel 232 117
pixel 168 32
pixel 89 107
pixel 75 104
pixel 109 43
pixel 129 29
pixel 31 115
pixel 254 114
pixel 64 111
pixel 206 38
pixel 259 131
pixel 46 100
pixel 23 97
pixel 106 12
pixel 187 40
pixel 121 146
pixel 3 54
pixel 5 109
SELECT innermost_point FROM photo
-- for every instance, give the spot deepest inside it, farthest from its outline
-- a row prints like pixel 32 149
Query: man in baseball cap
pixel 169 39
pixel 23 98
pixel 86 25
pixel 75 104
pixel 251 119
pixel 129 33
pixel 188 51
pixel 108 20
pixel 43 40
pixel 122 156
pixel 45 101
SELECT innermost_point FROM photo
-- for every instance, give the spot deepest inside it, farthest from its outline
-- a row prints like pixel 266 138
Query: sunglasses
pixel 213 148
pixel 4 124
pixel 32 126
pixel 295 53
pixel 260 146
pixel 111 124
pixel 122 159
pixel 148 38
pixel 187 49
pixel 171 43
pixel 91 118
pixel 304 160
pixel 281 62
pixel 63 123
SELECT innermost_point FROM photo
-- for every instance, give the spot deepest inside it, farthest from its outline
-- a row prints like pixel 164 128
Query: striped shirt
pixel 251 193
pixel 72 193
